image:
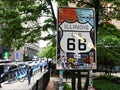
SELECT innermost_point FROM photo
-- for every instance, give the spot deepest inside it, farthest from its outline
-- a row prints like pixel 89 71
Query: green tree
pixel 48 52
pixel 50 28
pixel 20 21
pixel 108 45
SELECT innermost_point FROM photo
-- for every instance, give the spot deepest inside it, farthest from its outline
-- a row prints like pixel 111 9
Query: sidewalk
pixel 17 85
pixel 51 84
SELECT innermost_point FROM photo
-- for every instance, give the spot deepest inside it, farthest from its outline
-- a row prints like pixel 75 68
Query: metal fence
pixel 42 83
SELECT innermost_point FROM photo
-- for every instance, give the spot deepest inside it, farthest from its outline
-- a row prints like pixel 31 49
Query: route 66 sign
pixel 76 38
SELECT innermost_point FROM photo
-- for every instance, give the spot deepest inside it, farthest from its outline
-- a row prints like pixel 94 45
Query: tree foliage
pixel 108 45
pixel 20 21
pixel 48 52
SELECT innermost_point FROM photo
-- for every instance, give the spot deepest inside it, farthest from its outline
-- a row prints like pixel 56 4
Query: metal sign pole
pixel 60 79
pixel 90 79
pixel 90 87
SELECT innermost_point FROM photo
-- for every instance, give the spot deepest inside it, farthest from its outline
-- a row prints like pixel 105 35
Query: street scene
pixel 17 74
pixel 59 44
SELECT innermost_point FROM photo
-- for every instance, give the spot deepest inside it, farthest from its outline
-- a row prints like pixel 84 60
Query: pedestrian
pixel 41 68
pixel 45 66
pixel 29 74
pixel 50 66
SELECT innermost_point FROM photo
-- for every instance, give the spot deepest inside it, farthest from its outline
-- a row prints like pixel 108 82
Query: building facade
pixel 25 53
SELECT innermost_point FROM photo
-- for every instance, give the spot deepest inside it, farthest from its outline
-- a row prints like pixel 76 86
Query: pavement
pixel 18 85
pixel 51 84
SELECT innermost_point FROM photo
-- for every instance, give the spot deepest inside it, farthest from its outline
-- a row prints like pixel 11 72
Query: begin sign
pixel 76 38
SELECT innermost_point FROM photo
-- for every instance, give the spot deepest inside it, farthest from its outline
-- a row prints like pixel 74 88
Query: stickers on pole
pixel 76 39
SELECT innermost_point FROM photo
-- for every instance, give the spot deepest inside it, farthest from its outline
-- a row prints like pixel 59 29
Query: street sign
pixel 76 38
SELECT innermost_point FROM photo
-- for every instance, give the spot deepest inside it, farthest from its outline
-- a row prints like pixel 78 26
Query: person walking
pixel 50 67
pixel 41 68
pixel 29 74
